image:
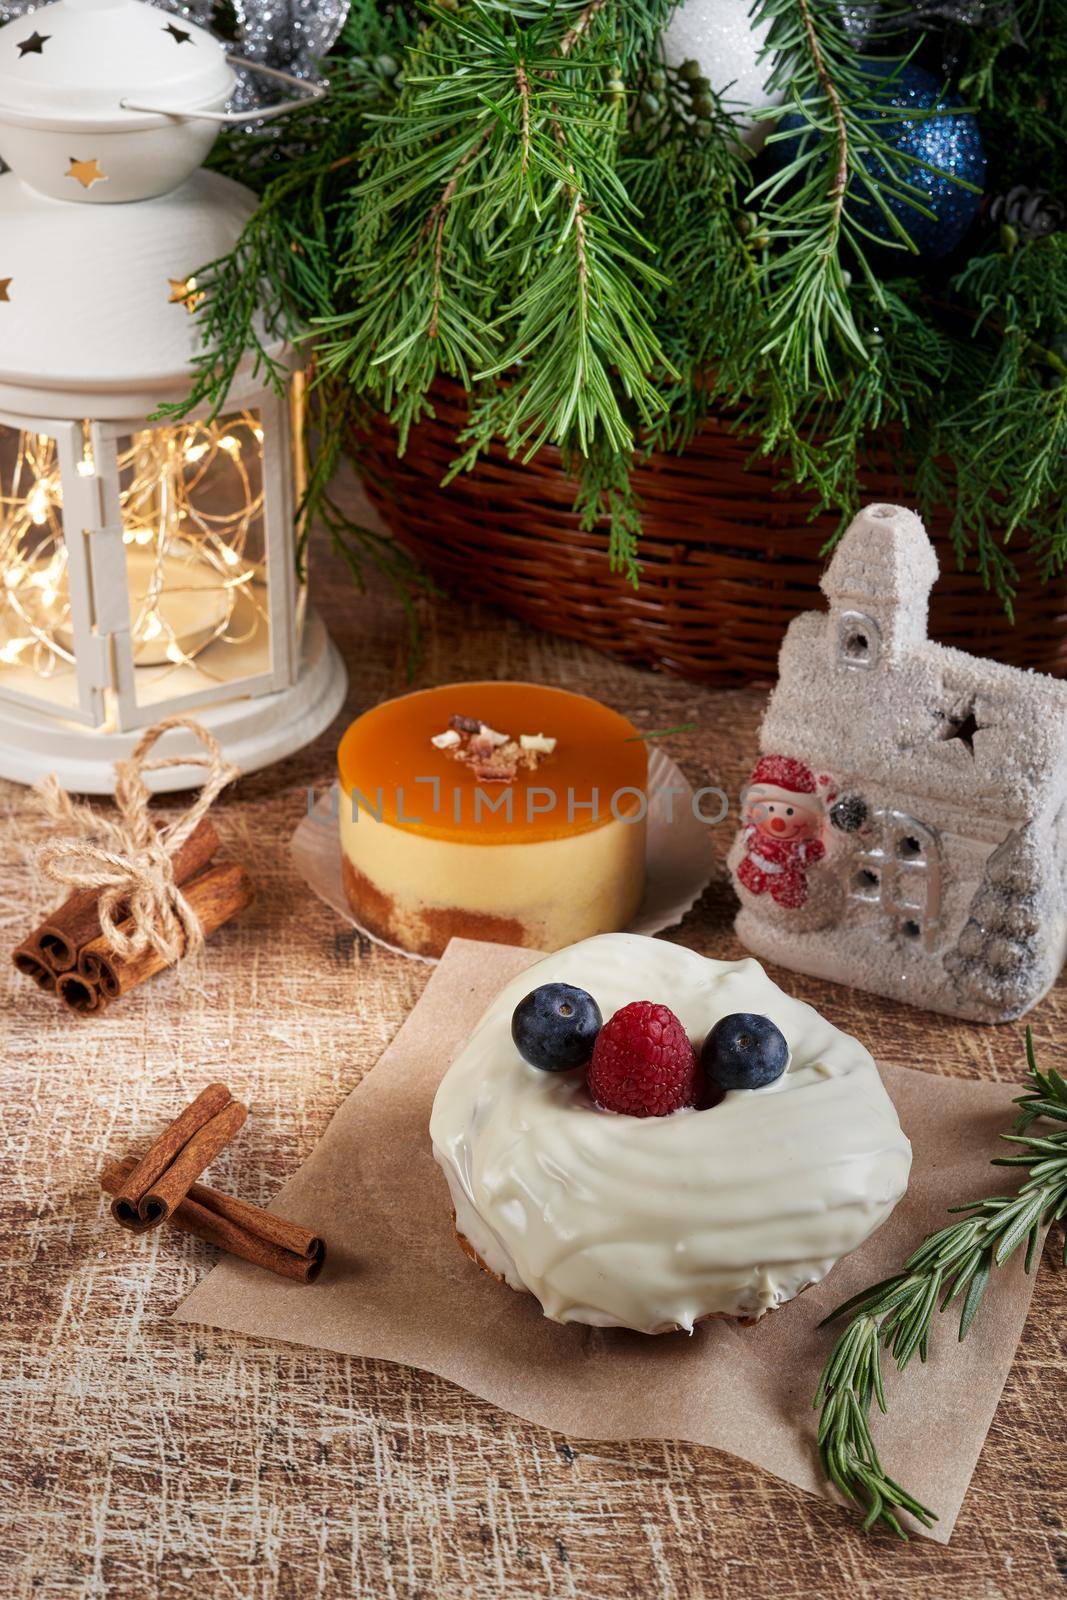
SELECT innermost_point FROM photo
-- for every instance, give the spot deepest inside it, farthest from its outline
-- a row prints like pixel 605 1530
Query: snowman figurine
pixel 784 816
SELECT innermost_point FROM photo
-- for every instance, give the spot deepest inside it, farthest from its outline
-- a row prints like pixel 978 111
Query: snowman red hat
pixel 787 774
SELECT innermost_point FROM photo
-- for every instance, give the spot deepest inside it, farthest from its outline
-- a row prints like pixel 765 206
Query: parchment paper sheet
pixel 678 855
pixel 396 1285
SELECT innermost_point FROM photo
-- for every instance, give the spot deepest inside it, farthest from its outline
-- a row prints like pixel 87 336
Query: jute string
pixel 127 857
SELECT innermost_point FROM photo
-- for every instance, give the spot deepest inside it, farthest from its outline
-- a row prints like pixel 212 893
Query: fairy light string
pixel 192 512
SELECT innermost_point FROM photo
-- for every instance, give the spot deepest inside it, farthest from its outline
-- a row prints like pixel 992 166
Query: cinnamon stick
pixel 78 994
pixel 215 895
pixel 28 961
pixel 76 922
pixel 172 1186
pixel 126 1206
pixel 239 1228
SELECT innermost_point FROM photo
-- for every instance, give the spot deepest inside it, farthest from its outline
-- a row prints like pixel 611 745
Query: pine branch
pixel 839 181
pixel 500 154
pixel 522 195
pixel 841 176
pixel 1010 425
pixel 954 1264
pixel 606 496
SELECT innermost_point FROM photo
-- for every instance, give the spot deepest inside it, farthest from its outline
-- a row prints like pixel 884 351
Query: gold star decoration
pixel 183 292
pixel 86 172
pixel 34 45
pixel 5 291
pixel 179 35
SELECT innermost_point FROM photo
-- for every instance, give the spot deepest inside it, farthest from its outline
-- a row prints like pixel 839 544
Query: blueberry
pixel 744 1051
pixel 555 1027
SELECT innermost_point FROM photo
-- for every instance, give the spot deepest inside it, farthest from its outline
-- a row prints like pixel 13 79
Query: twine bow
pixel 126 857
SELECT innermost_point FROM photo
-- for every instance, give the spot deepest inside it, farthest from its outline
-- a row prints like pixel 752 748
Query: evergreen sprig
pixel 841 177
pixel 953 1265
pixel 526 197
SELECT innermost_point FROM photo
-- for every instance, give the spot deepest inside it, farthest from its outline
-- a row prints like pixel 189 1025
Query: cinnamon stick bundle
pixel 155 894
pixel 239 1228
pixel 76 922
pixel 215 895
pixel 158 1183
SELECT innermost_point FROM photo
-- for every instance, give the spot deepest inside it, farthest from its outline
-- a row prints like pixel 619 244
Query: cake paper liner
pixel 678 856
pixel 397 1287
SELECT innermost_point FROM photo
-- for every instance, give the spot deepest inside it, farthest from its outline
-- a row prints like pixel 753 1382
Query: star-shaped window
pixel 85 172
pixel 184 292
pixel 963 725
pixel 34 45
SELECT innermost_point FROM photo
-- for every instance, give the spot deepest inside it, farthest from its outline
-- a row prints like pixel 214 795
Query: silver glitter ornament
pixel 291 35
pixel 859 18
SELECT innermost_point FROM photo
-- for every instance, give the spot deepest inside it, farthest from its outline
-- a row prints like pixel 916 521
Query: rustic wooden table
pixel 141 1459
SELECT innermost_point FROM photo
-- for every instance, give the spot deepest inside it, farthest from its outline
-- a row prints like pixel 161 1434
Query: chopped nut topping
pixel 500 765
pixel 493 757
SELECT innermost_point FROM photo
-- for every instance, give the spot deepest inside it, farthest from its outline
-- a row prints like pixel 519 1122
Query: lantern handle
pixel 309 93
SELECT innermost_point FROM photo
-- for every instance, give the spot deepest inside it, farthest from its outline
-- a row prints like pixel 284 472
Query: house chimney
pixel 878 585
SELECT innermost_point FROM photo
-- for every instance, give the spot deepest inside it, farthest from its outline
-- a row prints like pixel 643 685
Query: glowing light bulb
pixel 37 504
pixel 230 556
pixel 258 431
pixel 194 452
pixel 152 626
pixel 9 652
pixel 86 467
pixel 174 653
pixel 231 445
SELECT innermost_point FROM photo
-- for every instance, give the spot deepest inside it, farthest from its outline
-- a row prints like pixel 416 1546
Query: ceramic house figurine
pixel 905 829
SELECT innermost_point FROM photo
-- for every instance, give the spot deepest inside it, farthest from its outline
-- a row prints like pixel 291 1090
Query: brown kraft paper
pixel 397 1287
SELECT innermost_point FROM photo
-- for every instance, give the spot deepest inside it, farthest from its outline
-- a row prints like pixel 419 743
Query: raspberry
pixel 643 1063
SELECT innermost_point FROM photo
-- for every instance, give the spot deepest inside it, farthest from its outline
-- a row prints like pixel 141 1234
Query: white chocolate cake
pixel 654 1222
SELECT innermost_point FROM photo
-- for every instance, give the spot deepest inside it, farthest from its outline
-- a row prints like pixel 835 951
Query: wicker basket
pixel 728 554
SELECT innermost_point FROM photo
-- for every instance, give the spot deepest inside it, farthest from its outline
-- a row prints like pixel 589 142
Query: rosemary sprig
pixel 953 1264
pixel 661 733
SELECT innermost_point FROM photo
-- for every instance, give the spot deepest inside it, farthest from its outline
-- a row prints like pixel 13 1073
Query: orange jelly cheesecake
pixel 502 811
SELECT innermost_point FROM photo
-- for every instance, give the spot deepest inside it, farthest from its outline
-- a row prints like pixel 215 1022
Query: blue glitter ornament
pixel 950 141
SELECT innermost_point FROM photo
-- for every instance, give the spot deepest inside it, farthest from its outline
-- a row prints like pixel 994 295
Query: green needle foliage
pixel 527 198
pixel 952 1266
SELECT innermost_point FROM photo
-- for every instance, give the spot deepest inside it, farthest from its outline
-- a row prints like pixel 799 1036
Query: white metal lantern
pixel 145 569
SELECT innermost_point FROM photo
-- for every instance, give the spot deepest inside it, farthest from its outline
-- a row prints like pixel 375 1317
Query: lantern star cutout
pixel 183 292
pixel 86 172
pixel 34 45
pixel 179 35
pixel 5 291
